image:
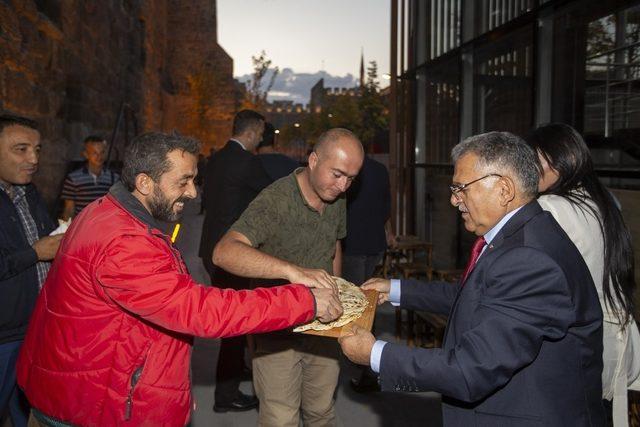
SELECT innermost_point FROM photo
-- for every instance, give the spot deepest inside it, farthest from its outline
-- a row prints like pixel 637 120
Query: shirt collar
pixel 489 236
pixel 238 142
pixel 294 176
pixel 6 188
pixel 14 192
pixel 85 169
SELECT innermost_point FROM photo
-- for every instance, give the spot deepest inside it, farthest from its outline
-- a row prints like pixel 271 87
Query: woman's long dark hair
pixel 566 152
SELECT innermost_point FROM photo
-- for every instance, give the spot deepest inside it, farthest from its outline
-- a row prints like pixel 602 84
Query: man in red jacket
pixel 110 339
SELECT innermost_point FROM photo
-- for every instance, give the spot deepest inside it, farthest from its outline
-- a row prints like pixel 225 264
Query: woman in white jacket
pixel 570 190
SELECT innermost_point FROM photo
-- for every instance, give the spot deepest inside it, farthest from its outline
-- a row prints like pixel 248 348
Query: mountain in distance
pixel 296 87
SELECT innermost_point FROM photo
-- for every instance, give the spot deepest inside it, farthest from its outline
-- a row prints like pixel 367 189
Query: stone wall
pixel 70 65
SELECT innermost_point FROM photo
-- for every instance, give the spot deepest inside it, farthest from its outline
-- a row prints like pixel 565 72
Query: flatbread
pixel 354 302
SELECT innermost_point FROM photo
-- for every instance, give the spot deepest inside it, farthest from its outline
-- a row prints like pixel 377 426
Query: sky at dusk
pixel 306 35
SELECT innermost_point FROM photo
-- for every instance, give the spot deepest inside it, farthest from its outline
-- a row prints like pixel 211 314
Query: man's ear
pixel 313 160
pixel 507 190
pixel 144 184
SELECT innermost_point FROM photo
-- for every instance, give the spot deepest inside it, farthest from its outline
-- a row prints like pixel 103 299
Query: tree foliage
pixel 258 88
pixel 364 114
pixel 374 120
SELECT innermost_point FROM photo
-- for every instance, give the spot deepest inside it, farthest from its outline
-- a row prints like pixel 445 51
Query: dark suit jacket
pixel 523 346
pixel 368 209
pixel 18 272
pixel 277 165
pixel 234 177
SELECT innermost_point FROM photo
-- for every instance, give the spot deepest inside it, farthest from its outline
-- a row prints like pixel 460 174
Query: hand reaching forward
pixel 328 306
pixel 356 344
pixel 383 286
pixel 313 278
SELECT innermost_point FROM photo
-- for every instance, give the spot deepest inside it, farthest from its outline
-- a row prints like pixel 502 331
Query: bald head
pixel 339 141
pixel 336 160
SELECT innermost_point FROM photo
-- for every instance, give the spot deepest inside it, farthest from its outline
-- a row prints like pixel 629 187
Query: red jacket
pixel 110 339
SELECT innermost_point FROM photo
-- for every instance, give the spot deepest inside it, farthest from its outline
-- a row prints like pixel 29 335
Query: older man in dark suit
pixel 523 344
pixel 233 178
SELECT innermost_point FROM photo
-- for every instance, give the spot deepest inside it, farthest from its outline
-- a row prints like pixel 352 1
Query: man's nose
pixel 33 156
pixel 455 201
pixel 191 192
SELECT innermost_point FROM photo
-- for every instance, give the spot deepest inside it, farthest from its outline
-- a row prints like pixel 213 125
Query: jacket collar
pixel 133 205
pixel 29 189
pixel 237 144
pixel 523 216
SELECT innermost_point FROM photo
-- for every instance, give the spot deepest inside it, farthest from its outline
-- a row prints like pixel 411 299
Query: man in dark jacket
pixel 233 178
pixel 523 344
pixel 25 250
pixel 276 164
pixel 368 235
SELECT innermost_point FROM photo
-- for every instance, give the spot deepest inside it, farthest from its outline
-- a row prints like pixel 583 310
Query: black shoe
pixel 242 403
pixel 366 386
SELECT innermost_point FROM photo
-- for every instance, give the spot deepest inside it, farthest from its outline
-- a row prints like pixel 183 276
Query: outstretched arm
pixel 152 288
pixel 524 303
pixel 235 254
pixel 436 297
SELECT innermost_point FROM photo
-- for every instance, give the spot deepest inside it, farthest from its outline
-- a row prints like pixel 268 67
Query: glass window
pixel 443 19
pixel 612 86
pixel 503 83
pixel 442 110
pixel 491 14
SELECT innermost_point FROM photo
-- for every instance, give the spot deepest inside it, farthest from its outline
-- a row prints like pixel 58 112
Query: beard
pixel 162 208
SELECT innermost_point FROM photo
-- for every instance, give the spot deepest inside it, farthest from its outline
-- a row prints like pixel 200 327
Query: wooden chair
pixel 430 327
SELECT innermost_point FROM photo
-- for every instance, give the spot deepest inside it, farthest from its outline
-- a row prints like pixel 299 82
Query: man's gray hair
pixel 503 153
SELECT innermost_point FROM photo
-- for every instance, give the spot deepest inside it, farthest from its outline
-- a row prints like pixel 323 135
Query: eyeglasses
pixel 456 188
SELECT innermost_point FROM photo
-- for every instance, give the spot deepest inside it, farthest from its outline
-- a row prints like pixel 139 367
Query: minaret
pixel 361 68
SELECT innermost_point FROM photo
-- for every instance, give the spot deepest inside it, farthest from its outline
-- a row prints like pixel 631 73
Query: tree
pixel 373 120
pixel 257 88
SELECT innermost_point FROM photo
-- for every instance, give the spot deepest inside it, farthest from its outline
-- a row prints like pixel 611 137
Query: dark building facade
pixel 71 65
pixel 463 67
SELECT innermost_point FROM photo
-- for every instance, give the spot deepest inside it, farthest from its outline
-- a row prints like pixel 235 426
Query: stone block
pixel 76 68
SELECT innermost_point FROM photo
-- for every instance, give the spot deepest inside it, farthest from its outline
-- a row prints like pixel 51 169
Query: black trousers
pixel 231 357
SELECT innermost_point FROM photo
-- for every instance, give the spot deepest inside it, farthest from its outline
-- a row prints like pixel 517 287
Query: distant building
pixel 285 113
pixel 321 96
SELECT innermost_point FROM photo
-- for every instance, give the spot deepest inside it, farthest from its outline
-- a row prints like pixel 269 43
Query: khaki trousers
pixel 293 374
